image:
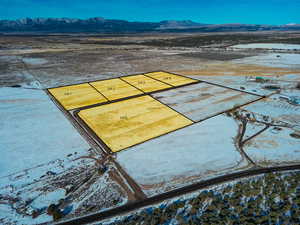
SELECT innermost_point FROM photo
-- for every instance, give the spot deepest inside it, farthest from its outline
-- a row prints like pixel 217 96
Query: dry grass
pixel 238 70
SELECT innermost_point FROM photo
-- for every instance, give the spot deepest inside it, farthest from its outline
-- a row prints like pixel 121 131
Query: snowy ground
pixel 202 100
pixel 35 139
pixel 247 83
pixel 236 82
pixel 253 128
pixel 278 108
pixel 197 152
pixel 37 164
pixel 33 131
pixel 281 60
pixel 274 147
pixel 268 46
pixel 34 61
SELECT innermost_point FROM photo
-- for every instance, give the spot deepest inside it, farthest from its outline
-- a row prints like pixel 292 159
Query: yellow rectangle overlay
pixel 76 96
pixel 146 84
pixel 115 89
pixel 126 123
pixel 172 79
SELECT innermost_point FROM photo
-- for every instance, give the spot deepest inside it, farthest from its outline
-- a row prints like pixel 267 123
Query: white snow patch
pixel 268 46
pixel 253 128
pixel 44 200
pixel 34 61
pixel 281 60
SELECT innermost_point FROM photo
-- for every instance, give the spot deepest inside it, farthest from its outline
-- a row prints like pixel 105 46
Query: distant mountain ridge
pixel 102 25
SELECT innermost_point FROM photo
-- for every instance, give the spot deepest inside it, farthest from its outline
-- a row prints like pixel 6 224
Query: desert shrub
pixel 270 199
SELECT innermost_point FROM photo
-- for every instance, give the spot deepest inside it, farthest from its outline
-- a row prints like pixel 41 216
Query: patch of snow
pixel 34 61
pixel 45 199
pixel 268 46
pixel 291 92
pixel 34 85
pixel 253 128
pixel 272 60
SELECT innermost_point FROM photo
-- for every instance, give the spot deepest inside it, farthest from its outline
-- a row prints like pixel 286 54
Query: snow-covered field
pixel 197 152
pixel 33 131
pixel 281 60
pixel 39 146
pixel 203 100
pixel 236 82
pixel 268 46
pixel 253 128
pixel 39 162
pixel 277 108
pixel 274 147
pixel 35 141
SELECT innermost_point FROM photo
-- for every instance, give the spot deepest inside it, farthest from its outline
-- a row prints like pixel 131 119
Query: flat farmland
pixel 171 79
pixel 274 147
pixel 159 130
pixel 126 123
pixel 196 152
pixel 76 96
pixel 146 84
pixel 202 100
pixel 115 89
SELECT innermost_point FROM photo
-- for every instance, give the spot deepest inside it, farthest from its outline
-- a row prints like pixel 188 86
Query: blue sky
pixel 210 11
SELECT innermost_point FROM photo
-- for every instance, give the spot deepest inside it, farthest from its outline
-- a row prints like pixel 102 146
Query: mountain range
pixel 102 25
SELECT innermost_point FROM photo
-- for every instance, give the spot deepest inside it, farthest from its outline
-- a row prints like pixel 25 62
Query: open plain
pixel 94 122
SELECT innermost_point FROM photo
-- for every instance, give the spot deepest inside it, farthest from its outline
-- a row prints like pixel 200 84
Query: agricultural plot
pixel 115 89
pixel 76 96
pixel 274 147
pixel 277 108
pixel 196 152
pixel 169 131
pixel 202 100
pixel 145 84
pixel 239 83
pixel 129 122
pixel 81 95
pixel 171 79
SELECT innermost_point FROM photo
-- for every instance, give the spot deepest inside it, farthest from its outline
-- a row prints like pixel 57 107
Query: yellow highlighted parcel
pixel 115 89
pixel 76 96
pixel 145 84
pixel 133 121
pixel 171 79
